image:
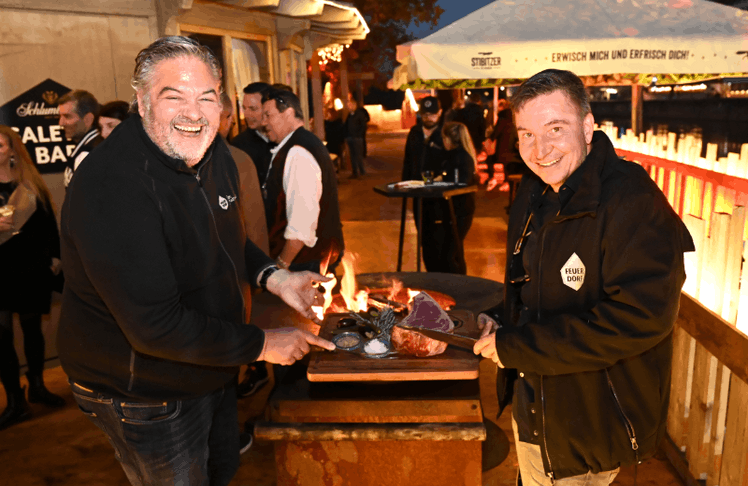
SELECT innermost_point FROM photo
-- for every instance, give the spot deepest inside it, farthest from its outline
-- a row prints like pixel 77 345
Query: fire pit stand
pixel 372 433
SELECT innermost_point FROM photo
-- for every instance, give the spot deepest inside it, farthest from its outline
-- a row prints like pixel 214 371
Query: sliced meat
pixel 426 313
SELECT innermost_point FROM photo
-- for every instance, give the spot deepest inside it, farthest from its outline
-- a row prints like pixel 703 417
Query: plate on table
pixel 407 184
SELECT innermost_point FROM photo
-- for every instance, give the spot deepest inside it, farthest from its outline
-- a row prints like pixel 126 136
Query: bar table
pixel 445 190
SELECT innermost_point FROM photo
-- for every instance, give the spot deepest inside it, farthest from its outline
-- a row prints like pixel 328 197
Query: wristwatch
pixel 266 275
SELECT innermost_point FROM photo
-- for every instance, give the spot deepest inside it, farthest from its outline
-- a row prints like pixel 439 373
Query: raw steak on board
pixel 425 313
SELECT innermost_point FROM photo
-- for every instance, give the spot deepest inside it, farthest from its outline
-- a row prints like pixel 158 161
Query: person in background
pixel 472 116
pixel 301 191
pixel 111 115
pixel 253 208
pixel 424 148
pixel 335 135
pixel 502 144
pixel 79 118
pixel 593 278
pixel 253 140
pixel 355 131
pixel 30 252
pixel 153 325
pixel 442 251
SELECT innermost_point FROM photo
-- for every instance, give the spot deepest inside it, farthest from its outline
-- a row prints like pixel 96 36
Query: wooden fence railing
pixel 708 413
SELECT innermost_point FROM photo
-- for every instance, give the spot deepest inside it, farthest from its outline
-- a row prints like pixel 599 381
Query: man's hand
pixel 56 266
pixel 486 345
pixel 287 345
pixel 297 289
pixel 6 223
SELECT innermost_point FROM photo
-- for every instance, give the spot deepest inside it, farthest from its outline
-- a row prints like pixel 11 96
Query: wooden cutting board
pixel 453 364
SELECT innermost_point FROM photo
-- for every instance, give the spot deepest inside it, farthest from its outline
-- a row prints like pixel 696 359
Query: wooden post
pixel 495 105
pixel 344 85
pixel 637 108
pixel 319 109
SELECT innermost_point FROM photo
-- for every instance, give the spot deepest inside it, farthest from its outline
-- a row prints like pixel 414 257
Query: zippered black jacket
pixel 594 363
pixel 156 264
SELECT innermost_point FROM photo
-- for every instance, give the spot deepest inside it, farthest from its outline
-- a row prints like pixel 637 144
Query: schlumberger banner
pixel 35 116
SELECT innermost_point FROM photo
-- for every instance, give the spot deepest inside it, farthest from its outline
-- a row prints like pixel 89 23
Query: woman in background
pixel 111 115
pixel 441 251
pixel 30 259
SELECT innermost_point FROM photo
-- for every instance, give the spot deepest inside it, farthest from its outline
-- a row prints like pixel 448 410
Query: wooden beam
pixel 637 108
pixel 724 341
pixel 377 432
pixel 318 106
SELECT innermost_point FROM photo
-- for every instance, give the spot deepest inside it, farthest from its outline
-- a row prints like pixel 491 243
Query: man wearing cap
pixel 424 148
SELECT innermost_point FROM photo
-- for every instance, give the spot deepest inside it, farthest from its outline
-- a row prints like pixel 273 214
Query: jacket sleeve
pixel 641 279
pixel 119 236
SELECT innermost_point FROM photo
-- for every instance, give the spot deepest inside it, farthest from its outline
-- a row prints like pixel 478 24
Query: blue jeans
pixel 185 442
pixel 356 149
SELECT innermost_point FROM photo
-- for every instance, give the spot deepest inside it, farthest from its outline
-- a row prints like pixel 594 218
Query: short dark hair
pixel 548 81
pixel 257 88
pixel 282 86
pixel 84 101
pixel 115 109
pixel 284 100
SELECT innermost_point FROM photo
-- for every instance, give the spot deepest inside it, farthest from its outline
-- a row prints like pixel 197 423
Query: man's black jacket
pixel 258 149
pixel 594 363
pixel 157 266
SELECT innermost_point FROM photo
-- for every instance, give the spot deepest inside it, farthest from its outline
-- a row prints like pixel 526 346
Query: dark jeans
pixel 33 346
pixel 356 149
pixel 185 442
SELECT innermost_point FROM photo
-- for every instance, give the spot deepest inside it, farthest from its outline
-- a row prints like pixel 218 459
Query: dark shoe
pixel 254 379
pixel 245 442
pixel 38 393
pixel 16 411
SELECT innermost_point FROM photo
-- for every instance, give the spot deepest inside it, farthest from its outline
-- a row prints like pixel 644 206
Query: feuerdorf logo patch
pixel 572 273
pixel 225 201
pixel 485 60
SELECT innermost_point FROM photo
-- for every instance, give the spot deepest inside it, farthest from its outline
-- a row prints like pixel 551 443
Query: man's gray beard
pixel 150 128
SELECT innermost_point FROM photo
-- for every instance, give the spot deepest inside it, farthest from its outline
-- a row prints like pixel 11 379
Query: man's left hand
pixel 298 290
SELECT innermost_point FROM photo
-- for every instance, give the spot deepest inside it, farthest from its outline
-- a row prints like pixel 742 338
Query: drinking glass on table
pixel 428 176
pixel 7 212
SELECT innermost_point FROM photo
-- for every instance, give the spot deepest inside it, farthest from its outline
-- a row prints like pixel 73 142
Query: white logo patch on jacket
pixel 225 201
pixel 572 273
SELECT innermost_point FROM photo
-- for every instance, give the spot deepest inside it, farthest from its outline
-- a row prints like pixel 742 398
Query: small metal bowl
pixel 348 340
pixel 376 355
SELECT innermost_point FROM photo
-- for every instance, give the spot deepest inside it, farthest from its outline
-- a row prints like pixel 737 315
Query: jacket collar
pixel 135 123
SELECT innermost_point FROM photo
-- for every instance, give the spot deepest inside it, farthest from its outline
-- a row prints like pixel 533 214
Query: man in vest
pixel 301 190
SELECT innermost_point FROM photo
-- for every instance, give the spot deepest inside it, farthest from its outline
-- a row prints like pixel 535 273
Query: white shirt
pixel 302 183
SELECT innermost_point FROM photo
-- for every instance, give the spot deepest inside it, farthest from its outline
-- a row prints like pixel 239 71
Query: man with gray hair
pixel 79 118
pixel 158 268
pixel 593 282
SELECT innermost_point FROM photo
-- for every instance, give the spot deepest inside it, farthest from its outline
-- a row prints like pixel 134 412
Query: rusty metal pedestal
pixel 375 433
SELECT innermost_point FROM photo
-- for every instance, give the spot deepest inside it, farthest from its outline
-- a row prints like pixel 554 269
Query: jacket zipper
pixel 215 226
pixel 629 426
pixel 541 235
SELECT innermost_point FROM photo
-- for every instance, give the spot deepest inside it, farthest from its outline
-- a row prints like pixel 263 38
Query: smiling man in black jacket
pixel 592 287
pixel 158 270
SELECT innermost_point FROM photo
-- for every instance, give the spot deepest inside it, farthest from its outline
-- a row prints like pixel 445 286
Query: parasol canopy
pixel 613 41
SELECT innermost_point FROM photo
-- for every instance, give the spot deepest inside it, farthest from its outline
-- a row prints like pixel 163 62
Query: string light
pixel 331 53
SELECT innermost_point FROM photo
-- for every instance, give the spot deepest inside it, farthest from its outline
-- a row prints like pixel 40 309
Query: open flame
pixel 357 300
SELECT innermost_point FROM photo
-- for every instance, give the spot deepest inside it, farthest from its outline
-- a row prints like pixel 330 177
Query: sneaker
pixel 245 442
pixel 254 379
